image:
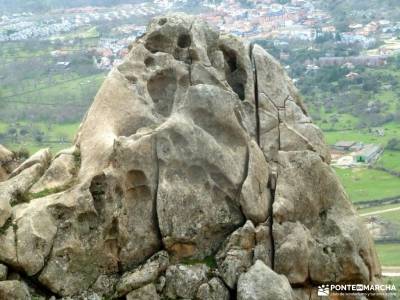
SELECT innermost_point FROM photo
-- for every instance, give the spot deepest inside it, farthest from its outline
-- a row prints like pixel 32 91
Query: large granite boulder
pixel 196 173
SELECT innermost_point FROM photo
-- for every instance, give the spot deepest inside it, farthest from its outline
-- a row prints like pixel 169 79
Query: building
pixel 352 75
pixel 348 146
pixel 378 131
pixel 368 154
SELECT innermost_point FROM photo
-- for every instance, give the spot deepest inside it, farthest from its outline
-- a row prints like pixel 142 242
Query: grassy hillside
pixel 349 11
pixel 45 5
pixel 42 102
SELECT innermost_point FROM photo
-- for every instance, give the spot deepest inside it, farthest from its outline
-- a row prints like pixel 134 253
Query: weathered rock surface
pixel 236 255
pixel 6 158
pixel 60 173
pixel 145 274
pixel 263 247
pixel 148 292
pixel 41 158
pixel 14 289
pixel 317 236
pixel 14 190
pixel 196 174
pixel 213 290
pixel 261 283
pixel 183 281
pixel 3 272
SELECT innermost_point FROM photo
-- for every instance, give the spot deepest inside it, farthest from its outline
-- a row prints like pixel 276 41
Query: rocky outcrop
pixel 213 290
pixel 236 255
pixel 60 173
pixel 196 174
pixel 318 225
pixel 6 158
pixel 146 274
pixel 183 281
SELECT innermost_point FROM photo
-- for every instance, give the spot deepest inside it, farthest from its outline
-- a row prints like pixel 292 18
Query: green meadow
pixel 364 184
pixel 389 254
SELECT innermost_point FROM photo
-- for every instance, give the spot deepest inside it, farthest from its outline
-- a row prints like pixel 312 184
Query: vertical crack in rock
pixel 245 175
pixel 47 257
pixel 278 109
pixel 271 223
pixel 256 98
pixel 157 181
pixel 190 71
pixel 190 62
pixel 15 229
pixel 273 181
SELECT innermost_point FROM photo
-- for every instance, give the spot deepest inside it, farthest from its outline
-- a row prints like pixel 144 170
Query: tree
pixel 393 144
pixel 370 84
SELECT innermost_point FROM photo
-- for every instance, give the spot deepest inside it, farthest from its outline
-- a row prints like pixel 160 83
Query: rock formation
pixel 196 174
pixel 6 165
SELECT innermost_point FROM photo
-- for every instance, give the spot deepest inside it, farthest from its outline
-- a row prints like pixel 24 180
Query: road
pixel 377 212
pixel 391 271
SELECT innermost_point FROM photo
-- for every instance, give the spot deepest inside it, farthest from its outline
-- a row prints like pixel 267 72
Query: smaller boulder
pixel 12 191
pixel 42 157
pixel 60 174
pixel 147 292
pixel 261 283
pixel 255 197
pixel 6 158
pixel 183 281
pixel 160 283
pixel 143 275
pixel 263 248
pixel 236 255
pixel 15 290
pixel 105 285
pixel 5 211
pixel 213 290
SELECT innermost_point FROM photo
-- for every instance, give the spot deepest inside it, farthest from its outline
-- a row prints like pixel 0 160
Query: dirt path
pixel 380 211
pixel 391 271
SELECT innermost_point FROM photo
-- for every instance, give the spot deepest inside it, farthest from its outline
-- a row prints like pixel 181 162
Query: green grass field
pixel 389 254
pixel 390 160
pixel 392 130
pixel 366 184
pixel 396 282
pixel 53 133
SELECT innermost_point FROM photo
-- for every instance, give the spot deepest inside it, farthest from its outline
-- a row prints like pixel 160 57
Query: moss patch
pixel 77 160
pixel 47 192
pixel 208 261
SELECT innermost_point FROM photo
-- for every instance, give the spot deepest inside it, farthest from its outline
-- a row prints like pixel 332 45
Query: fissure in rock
pixel 272 182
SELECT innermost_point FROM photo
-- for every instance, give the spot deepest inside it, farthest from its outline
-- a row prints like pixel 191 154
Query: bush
pixel 393 144
pixel 21 154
